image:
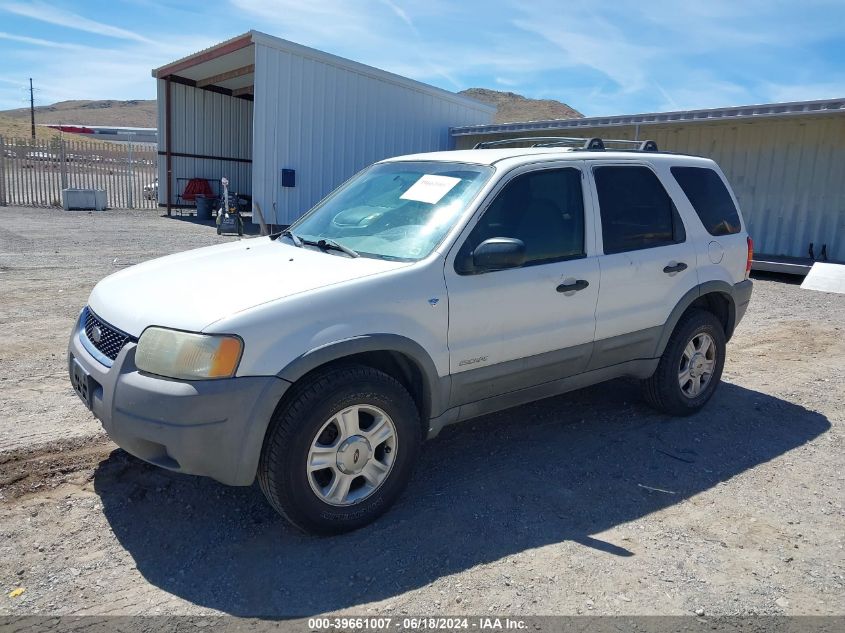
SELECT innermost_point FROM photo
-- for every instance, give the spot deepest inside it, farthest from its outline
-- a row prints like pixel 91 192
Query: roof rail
pixel 575 142
pixel 528 139
pixel 640 146
pixel 589 144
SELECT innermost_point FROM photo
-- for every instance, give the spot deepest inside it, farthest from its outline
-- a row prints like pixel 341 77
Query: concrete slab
pixel 825 277
pixel 781 264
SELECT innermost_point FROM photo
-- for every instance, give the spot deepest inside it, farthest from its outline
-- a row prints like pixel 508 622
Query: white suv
pixel 426 290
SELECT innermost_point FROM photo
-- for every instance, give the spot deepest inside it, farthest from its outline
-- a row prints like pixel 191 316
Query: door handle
pixel 574 286
pixel 676 268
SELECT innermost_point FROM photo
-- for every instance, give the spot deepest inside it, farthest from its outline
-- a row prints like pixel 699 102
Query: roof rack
pixel 589 144
pixel 534 140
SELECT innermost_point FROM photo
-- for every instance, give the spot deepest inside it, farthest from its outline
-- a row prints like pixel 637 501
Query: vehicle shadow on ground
pixel 784 278
pixel 562 469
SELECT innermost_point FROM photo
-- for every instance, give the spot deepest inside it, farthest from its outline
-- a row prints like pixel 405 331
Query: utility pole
pixel 32 108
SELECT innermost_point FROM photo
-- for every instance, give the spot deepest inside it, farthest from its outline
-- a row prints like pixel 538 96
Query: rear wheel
pixel 691 366
pixel 341 450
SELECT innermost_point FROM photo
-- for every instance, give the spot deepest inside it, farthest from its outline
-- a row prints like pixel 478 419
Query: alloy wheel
pixel 352 455
pixel 698 362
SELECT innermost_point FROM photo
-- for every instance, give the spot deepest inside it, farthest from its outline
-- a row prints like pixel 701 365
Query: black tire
pixel 663 390
pixel 282 468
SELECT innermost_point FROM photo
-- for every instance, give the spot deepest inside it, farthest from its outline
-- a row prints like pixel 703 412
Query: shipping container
pixel 785 161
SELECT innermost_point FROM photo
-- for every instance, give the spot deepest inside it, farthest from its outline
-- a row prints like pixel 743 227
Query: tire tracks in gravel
pixel 30 471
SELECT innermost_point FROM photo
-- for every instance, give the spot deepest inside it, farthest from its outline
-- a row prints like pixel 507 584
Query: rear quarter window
pixel 710 198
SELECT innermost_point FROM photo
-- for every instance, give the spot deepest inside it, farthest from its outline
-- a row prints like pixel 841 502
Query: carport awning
pixel 227 68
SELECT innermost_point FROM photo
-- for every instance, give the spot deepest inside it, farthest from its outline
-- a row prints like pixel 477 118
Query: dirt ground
pixel 588 503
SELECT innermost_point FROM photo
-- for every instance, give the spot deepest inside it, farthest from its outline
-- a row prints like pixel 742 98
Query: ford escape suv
pixel 426 290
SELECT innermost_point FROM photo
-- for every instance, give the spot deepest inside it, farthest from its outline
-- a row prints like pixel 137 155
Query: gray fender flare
pixel 687 300
pixel 435 388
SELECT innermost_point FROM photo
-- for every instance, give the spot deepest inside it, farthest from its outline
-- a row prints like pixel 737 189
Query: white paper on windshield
pixel 430 188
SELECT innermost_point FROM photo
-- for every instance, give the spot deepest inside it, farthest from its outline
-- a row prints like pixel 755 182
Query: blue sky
pixel 600 57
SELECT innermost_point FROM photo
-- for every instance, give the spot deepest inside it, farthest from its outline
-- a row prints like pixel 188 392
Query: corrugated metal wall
pixel 210 124
pixel 789 173
pixel 328 122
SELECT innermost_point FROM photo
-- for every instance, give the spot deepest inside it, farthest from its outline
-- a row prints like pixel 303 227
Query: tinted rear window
pixel 636 212
pixel 710 199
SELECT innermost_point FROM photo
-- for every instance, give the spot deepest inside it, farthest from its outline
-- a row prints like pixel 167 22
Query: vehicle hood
pixel 192 290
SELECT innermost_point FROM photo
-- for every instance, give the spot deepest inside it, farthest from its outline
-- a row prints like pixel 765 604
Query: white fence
pixel 33 173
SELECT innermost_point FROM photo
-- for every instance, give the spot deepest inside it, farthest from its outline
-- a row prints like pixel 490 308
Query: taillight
pixel 750 256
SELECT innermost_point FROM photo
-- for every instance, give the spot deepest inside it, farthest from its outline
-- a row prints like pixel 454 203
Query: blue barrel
pixel 204 207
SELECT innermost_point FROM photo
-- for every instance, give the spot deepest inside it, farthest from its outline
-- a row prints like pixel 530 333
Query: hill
pixel 142 113
pixel 513 107
pixel 134 113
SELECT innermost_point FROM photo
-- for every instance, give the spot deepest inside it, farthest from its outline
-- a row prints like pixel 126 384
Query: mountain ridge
pixel 512 107
pixel 143 112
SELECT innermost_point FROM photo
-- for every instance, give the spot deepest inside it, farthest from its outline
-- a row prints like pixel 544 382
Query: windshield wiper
pixel 324 244
pixel 327 244
pixel 297 241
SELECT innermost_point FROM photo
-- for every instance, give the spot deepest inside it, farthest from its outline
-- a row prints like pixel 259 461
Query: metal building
pixel 256 105
pixel 786 162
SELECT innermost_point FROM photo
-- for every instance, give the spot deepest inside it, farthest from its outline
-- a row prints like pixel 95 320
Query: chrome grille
pixel 111 340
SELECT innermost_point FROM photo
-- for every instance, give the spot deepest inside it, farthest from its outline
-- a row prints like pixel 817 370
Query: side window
pixel 710 199
pixel 636 211
pixel 544 209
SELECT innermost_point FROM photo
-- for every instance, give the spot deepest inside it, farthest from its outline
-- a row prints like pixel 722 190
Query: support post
pixel 129 174
pixel 167 146
pixel 3 201
pixel 63 159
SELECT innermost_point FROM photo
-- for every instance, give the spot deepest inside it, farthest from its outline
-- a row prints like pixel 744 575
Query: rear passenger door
pixel 647 264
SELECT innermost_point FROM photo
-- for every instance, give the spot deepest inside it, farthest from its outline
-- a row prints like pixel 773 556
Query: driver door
pixel 520 327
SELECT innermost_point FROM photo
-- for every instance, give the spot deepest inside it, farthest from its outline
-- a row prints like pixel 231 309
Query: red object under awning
pixel 197 187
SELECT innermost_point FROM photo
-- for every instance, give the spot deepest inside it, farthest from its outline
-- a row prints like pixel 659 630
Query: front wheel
pixel 691 366
pixel 341 450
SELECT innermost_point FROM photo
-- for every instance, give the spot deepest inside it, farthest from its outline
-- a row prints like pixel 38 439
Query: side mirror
pixel 499 253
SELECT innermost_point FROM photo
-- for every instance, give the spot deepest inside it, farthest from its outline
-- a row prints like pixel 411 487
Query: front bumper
pixel 204 427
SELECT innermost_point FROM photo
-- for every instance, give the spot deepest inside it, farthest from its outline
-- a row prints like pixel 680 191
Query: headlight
pixel 187 356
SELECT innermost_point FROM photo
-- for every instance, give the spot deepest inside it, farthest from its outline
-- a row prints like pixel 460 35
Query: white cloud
pixel 89 72
pixel 802 92
pixel 375 32
pixel 401 14
pixel 583 38
pixel 54 15
pixel 35 41
pixel 64 70
pixel 601 57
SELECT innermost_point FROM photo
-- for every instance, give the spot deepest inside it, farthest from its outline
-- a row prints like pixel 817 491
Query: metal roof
pixel 767 110
pixel 193 60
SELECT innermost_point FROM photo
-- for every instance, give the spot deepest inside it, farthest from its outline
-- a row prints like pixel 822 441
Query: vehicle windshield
pixel 397 210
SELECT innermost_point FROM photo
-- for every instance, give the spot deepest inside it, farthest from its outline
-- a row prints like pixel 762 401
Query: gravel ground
pixel 49 262
pixel 588 503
